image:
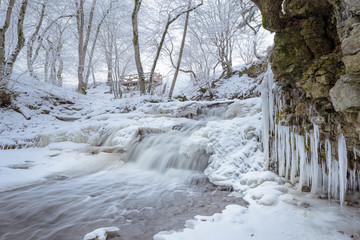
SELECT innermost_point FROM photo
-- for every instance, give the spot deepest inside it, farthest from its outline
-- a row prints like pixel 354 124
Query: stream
pixel 156 187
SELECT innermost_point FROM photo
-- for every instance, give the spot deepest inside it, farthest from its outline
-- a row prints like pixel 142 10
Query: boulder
pixel 345 95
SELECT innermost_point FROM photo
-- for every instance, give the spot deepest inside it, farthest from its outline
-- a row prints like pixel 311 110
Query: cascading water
pixel 297 157
pixel 168 150
pixel 157 186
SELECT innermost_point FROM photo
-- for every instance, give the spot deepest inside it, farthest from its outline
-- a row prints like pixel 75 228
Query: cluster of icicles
pixel 297 157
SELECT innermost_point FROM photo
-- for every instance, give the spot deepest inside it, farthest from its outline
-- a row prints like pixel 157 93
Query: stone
pixel 351 44
pixel 271 14
pixel 318 120
pixel 316 90
pixel 354 6
pixel 345 95
pixel 305 8
pixel 352 63
pixel 313 31
pixel 324 79
pixel 290 55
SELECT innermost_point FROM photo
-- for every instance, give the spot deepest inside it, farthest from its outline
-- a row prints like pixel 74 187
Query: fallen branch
pixel 67 119
pixel 18 110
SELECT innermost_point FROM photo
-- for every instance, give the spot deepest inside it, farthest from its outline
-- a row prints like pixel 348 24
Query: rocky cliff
pixel 316 63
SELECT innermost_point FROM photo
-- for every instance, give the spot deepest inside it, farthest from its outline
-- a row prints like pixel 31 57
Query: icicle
pixel 358 177
pixel 267 109
pixel 328 164
pixel 324 177
pixel 271 99
pixel 282 150
pixel 294 159
pixel 353 179
pixel 288 152
pixel 342 167
pixel 300 148
pixel 314 142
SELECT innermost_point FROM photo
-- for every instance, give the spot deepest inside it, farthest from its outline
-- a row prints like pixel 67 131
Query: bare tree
pixel 170 20
pixel 250 21
pixel 219 21
pixel 83 41
pixel 7 62
pixel 36 40
pixel 139 67
pixel 54 63
pixel 92 51
pixel 180 53
pixel 30 43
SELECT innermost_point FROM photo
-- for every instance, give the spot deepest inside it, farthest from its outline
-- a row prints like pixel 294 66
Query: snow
pixel 276 211
pixel 231 138
pixel 285 221
pixel 235 86
pixel 100 233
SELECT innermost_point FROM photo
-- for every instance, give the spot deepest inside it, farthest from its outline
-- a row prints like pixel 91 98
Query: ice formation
pixel 298 157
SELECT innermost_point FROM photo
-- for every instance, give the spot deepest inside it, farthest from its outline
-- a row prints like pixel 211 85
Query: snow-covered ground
pixel 103 130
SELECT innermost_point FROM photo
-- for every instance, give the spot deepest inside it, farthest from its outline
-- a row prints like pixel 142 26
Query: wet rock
pixel 306 189
pixel 354 6
pixel 352 63
pixel 316 90
pixel 313 31
pixel 345 95
pixel 351 44
pixel 304 8
pixel 290 54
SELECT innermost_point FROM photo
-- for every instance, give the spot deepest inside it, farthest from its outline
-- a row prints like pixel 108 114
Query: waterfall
pixel 298 158
pixel 174 149
pixel 179 148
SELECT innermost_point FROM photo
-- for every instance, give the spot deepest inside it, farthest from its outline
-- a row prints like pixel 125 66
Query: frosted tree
pixel 135 25
pixel 7 59
pixel 30 55
pixel 115 39
pixel 177 68
pixel 47 26
pixel 219 21
pixel 251 36
pixel 168 14
pixel 172 16
pixel 54 63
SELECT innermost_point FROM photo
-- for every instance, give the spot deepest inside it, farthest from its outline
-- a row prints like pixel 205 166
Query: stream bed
pixel 140 203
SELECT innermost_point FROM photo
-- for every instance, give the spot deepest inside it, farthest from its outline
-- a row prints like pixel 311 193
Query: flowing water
pixel 159 186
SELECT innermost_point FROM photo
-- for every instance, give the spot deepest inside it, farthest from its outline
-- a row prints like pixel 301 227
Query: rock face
pixel 316 63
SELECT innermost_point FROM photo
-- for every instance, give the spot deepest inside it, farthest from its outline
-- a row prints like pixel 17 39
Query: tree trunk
pixel 89 66
pixel 30 43
pixel 158 50
pixel 180 55
pixel 157 55
pixel 59 79
pixel 4 81
pixel 93 76
pixel 8 64
pixel 46 64
pixel 117 71
pixel 139 67
pixel 83 41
